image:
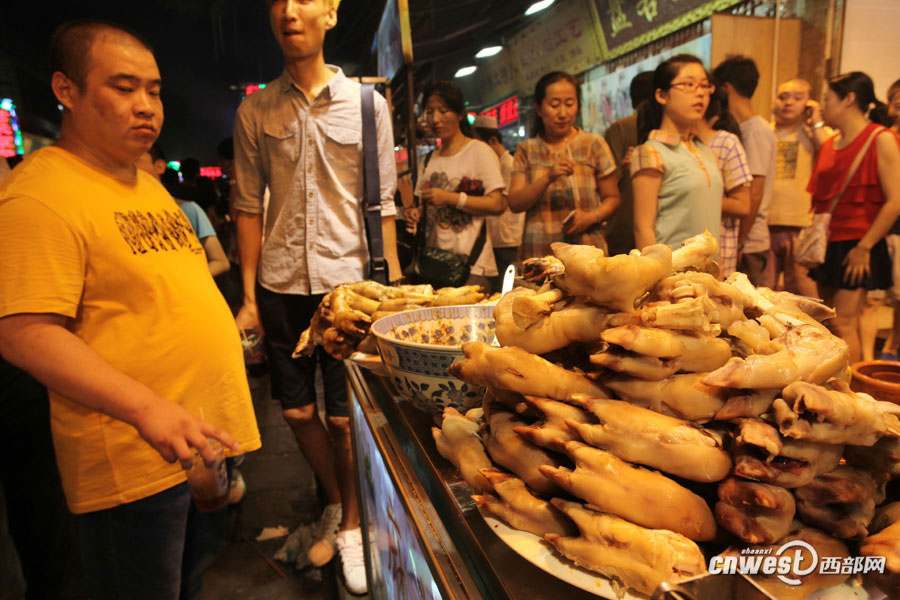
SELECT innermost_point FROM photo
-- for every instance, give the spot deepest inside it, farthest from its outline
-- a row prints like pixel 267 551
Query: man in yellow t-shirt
pixel 106 298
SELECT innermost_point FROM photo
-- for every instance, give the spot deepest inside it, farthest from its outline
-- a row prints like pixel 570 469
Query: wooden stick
pixel 264 556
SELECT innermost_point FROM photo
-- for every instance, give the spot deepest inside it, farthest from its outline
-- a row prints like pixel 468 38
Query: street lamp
pixel 538 6
pixel 489 51
pixel 465 71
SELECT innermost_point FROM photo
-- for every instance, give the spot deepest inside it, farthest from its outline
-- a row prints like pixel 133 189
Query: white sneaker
pixel 322 550
pixel 353 562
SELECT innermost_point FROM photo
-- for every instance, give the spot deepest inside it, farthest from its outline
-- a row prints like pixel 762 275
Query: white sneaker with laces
pixel 353 562
pixel 322 550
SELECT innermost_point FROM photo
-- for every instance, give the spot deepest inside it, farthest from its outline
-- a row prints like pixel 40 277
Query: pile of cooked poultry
pixel 342 320
pixel 639 406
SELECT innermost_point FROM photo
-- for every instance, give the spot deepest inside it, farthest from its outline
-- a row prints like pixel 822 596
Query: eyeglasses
pixel 689 87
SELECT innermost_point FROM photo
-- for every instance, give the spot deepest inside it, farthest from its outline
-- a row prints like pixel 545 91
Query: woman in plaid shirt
pixel 563 179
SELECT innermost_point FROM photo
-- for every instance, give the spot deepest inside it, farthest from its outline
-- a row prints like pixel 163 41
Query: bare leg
pixel 848 305
pixel 346 475
pixel 868 326
pixel 316 445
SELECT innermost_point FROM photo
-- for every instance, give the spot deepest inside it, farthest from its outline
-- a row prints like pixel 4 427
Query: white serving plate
pixel 537 552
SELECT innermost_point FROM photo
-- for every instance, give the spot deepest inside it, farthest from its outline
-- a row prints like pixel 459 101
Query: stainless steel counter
pixel 464 558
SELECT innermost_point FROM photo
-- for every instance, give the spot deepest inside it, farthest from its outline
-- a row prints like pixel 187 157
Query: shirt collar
pixel 668 138
pixel 331 88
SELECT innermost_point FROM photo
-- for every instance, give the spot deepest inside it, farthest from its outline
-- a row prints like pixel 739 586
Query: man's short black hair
pixel 641 88
pixel 486 133
pixel 70 45
pixel 740 72
pixel 156 153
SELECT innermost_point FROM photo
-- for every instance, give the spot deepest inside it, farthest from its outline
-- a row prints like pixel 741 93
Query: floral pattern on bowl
pixel 418 368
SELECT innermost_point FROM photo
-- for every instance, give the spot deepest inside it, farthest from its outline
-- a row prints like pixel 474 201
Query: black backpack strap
pixel 372 186
pixel 479 245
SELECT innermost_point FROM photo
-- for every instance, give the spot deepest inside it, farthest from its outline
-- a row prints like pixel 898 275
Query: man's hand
pixel 173 431
pixel 580 222
pixel 815 113
pixel 248 318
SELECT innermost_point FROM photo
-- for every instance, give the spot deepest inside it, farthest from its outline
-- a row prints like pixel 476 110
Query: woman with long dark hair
pixel 719 130
pixel 678 188
pixel 857 257
pixel 564 179
pixel 459 183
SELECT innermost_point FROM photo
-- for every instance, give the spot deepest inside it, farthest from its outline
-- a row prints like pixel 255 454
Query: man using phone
pixel 799 131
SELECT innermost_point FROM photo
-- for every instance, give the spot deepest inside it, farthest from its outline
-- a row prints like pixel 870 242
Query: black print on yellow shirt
pixel 161 232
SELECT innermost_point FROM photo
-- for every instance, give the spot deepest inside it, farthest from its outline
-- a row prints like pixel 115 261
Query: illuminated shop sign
pixel 10 136
pixel 506 113
pixel 211 172
pixel 253 87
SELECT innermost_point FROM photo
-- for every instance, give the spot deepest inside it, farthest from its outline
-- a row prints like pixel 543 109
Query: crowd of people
pixel 694 157
pixel 107 294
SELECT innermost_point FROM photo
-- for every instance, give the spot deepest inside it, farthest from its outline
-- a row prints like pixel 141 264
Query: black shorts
pixel 284 317
pixel 831 273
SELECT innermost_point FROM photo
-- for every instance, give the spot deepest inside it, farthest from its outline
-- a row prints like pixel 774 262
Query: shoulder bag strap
pixel 372 185
pixel 856 162
pixel 478 247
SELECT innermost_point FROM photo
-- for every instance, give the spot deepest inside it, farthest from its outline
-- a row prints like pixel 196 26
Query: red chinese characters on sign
pixel 506 113
pixel 211 172
pixel 7 135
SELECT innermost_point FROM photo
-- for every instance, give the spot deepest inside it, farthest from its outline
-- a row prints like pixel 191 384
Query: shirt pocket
pixel 343 147
pixel 282 139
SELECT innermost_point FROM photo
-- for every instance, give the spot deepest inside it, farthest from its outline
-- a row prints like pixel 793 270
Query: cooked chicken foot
pixel 761 453
pixel 520 508
pixel 558 329
pixel 640 435
pixel 509 449
pixel 553 427
pixel 615 281
pixel 842 502
pixel 833 414
pixel 639 495
pixel 458 441
pixel 636 557
pixel 681 396
pixel 516 370
pixel 808 354
pixel 757 513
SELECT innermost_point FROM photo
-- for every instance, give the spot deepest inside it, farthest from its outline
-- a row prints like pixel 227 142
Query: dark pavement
pixel 280 491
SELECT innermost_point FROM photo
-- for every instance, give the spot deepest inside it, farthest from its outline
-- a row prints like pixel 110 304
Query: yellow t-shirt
pixel 120 260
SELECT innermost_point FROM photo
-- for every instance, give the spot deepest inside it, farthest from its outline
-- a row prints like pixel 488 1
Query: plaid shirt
pixel 543 221
pixel 735 172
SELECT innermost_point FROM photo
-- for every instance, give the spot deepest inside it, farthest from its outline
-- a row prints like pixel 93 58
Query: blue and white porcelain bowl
pixel 417 346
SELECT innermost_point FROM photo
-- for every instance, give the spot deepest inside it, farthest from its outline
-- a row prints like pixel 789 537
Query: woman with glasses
pixel 563 179
pixel 678 188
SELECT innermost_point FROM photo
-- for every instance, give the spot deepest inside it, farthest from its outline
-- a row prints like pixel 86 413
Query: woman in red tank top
pixel 857 258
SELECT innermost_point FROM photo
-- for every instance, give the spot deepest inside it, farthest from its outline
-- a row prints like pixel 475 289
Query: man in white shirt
pixel 799 131
pixel 301 136
pixel 739 76
pixel 505 230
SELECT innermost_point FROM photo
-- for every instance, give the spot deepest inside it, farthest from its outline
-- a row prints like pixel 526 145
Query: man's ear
pixel 331 19
pixel 159 167
pixel 64 89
